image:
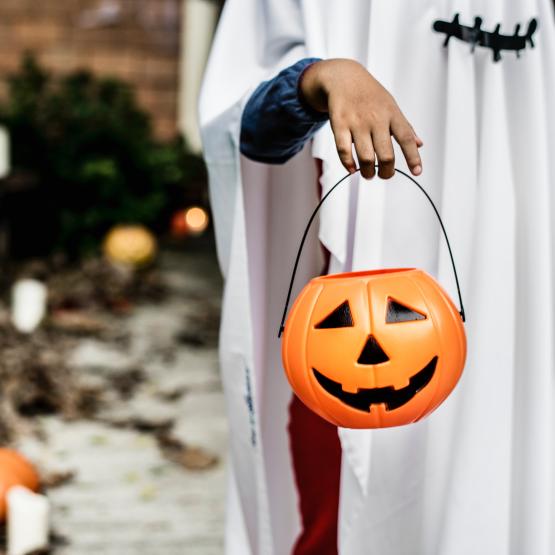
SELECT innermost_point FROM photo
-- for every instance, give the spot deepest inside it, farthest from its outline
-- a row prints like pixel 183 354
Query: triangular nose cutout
pixel 372 353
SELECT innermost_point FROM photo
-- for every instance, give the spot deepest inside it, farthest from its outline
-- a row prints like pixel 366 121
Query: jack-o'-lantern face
pixel 374 349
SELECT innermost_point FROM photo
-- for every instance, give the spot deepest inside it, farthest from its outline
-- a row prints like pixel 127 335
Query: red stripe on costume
pixel 316 453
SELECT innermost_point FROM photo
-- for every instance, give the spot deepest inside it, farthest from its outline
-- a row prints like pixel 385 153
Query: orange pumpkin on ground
pixel 15 470
pixel 131 245
pixel 373 349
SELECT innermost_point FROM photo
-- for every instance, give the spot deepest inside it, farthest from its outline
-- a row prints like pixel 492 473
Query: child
pixel 476 476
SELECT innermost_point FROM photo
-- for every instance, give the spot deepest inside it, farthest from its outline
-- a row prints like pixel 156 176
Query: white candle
pixel 28 521
pixel 4 152
pixel 28 304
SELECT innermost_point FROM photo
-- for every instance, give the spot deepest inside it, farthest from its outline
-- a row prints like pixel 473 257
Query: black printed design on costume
pixel 493 40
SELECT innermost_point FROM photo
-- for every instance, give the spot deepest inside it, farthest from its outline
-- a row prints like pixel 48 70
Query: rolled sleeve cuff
pixel 277 122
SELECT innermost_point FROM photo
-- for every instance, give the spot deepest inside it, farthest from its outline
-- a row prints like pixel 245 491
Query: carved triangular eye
pixel 396 312
pixel 340 318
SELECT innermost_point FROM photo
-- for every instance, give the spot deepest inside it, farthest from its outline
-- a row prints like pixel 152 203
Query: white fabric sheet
pixel 477 476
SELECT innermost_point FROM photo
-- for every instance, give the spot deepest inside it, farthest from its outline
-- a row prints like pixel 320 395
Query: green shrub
pixel 92 153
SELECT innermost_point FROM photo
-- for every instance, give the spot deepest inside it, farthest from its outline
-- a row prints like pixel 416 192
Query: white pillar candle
pixel 28 521
pixel 4 152
pixel 28 304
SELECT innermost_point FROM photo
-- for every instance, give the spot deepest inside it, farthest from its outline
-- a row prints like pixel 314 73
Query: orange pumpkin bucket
pixel 373 349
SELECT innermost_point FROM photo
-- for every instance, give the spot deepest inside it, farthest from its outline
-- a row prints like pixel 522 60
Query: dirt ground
pixel 145 472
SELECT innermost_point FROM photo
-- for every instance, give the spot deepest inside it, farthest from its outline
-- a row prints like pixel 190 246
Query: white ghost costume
pixel 478 475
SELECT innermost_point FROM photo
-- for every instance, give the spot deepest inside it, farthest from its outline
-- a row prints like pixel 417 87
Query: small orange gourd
pixel 131 245
pixel 15 470
pixel 373 349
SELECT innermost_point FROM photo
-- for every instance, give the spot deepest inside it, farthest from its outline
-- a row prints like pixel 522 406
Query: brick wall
pixel 136 40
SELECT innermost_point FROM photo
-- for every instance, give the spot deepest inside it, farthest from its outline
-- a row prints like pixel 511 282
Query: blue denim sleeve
pixel 276 123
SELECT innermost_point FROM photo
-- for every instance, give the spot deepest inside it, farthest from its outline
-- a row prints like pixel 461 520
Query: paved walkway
pixel 126 497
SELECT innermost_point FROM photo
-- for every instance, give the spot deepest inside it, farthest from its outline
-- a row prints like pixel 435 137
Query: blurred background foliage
pixel 84 159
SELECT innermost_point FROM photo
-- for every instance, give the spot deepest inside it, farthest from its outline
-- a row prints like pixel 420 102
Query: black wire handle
pixel 307 229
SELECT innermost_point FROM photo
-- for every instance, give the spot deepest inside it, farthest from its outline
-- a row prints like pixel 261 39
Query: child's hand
pixel 361 112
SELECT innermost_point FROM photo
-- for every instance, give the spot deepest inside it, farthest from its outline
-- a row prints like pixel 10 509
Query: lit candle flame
pixel 196 219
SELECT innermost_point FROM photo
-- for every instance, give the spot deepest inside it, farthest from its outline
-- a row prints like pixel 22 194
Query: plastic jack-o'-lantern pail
pixel 373 349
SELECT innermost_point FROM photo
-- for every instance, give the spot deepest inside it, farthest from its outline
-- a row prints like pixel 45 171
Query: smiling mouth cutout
pixel 391 397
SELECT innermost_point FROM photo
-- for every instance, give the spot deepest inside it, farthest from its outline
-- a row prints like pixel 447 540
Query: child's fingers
pixel 408 142
pixel 419 141
pixel 365 154
pixel 343 142
pixel 384 151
